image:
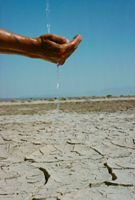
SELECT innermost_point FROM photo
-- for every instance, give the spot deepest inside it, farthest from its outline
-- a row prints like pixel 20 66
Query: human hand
pixel 56 49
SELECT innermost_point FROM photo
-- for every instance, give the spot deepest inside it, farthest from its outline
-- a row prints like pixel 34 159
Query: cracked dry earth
pixel 65 156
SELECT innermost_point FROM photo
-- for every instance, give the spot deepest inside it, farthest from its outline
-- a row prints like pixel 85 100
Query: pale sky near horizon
pixel 103 64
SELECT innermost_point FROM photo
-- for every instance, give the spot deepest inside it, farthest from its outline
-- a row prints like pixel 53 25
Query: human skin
pixel 49 47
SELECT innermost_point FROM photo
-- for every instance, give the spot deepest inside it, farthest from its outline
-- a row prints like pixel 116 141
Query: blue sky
pixel 103 64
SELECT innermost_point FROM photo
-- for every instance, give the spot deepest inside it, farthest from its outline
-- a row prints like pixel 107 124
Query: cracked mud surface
pixel 66 156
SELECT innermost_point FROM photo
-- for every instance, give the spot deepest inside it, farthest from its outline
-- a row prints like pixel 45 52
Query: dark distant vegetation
pixel 51 99
pixel 63 98
pixel 13 100
pixel 109 96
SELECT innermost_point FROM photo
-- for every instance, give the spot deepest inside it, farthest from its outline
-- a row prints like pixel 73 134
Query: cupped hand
pixel 56 49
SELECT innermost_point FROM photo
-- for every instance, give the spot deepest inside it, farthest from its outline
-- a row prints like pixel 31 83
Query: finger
pixel 50 45
pixel 75 41
pixel 73 44
pixel 70 48
pixel 56 38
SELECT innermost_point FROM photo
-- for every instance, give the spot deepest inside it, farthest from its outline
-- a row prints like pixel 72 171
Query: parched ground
pixel 77 153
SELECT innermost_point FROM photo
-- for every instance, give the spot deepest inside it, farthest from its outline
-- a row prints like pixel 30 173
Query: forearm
pixel 11 43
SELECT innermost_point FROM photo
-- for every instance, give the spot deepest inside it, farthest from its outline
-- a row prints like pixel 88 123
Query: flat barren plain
pixel 84 151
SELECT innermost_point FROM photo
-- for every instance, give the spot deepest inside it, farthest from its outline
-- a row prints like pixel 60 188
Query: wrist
pixel 30 47
pixel 25 46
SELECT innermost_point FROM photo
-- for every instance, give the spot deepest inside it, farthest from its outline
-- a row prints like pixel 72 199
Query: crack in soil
pixel 110 171
pixel 97 151
pixel 46 174
pixel 108 183
pixel 122 146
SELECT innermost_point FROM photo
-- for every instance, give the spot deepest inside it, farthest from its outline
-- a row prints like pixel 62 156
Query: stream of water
pixel 47 15
pixel 48 27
